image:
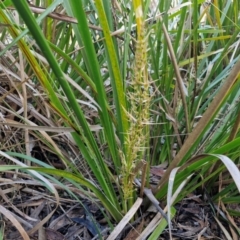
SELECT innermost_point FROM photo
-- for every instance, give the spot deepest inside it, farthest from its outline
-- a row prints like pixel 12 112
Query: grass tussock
pixel 120 106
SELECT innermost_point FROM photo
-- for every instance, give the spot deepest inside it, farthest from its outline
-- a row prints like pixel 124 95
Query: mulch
pixel 28 202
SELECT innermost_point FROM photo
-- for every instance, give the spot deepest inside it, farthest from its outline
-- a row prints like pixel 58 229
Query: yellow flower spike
pixel 137 4
pixel 139 99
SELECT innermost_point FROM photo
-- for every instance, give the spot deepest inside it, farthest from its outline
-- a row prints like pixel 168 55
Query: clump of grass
pixel 71 71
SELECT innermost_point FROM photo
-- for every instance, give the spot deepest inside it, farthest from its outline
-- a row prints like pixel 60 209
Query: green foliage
pixel 160 87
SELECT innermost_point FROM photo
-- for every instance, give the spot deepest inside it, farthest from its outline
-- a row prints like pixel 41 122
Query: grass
pixel 128 86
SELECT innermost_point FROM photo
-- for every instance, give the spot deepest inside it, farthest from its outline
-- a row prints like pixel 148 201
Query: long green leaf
pixel 94 161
